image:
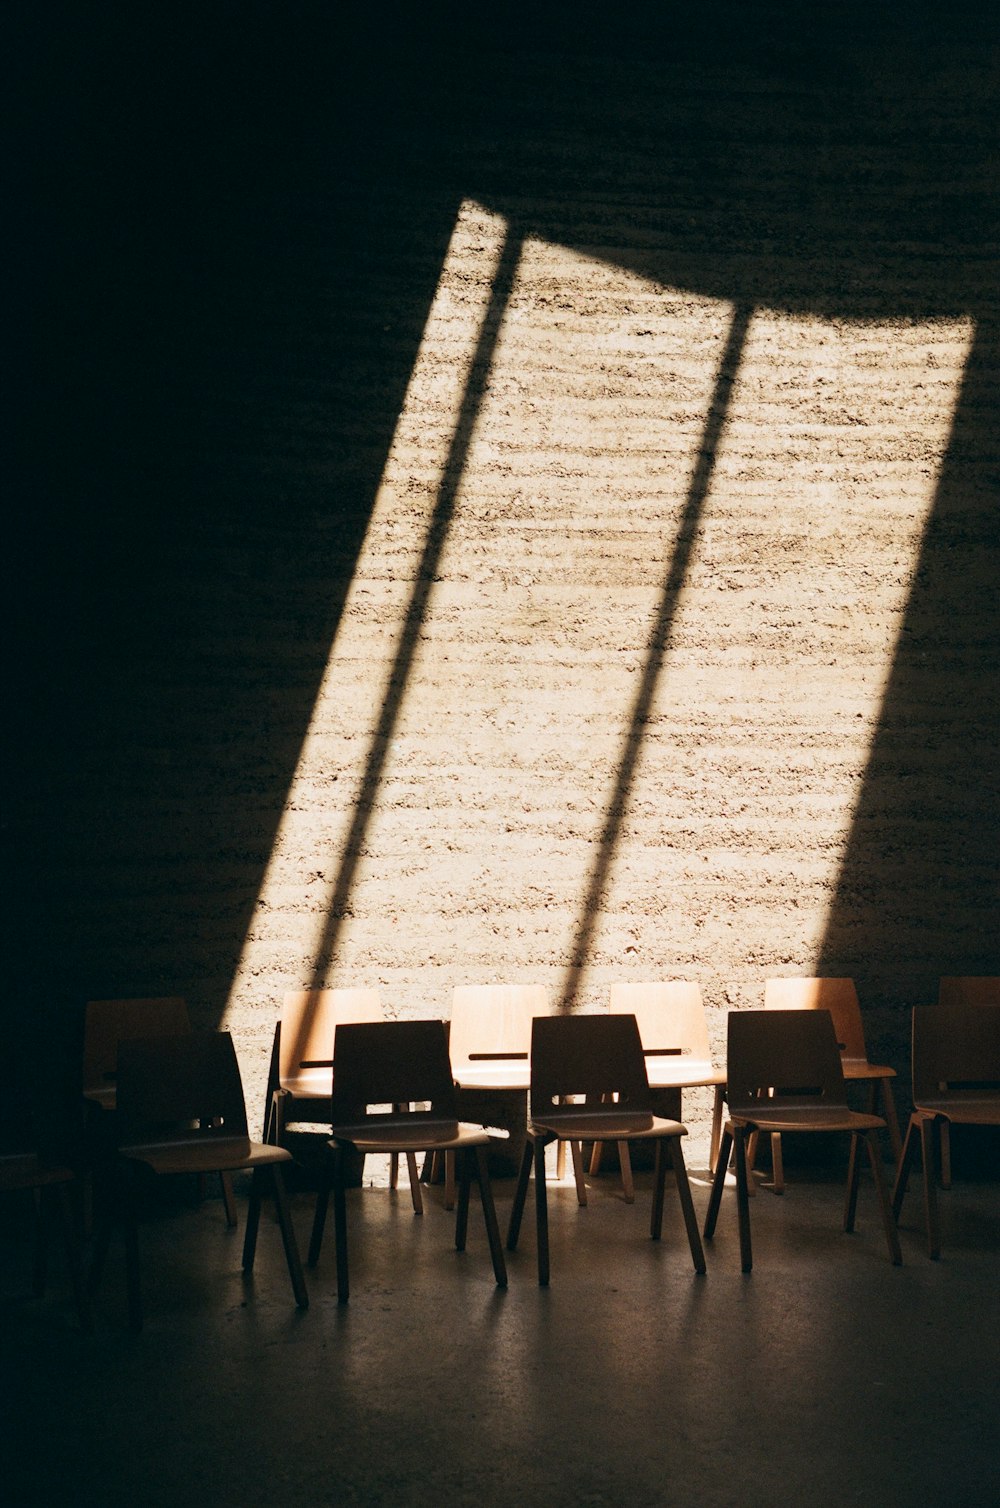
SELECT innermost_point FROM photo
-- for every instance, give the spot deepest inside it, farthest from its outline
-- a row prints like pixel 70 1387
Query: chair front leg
pixel 928 1128
pixel 541 1215
pixel 659 1179
pixel 742 1197
pixel 253 1220
pixel 718 1183
pixel 490 1216
pixel 340 1226
pixel 288 1238
pixel 676 1153
pixel 878 1176
pixel 520 1194
pixel 853 1175
pixel 462 1214
pixel 319 1215
pixel 903 1167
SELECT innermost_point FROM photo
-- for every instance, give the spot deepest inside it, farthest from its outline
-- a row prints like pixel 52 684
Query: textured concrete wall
pixel 567 540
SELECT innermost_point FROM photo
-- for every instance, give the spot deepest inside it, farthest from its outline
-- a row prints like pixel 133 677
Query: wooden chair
pixel 840 998
pixel 956 1082
pixel 300 1080
pixel 784 1073
pixel 181 1110
pixel 490 1043
pixel 957 989
pixel 674 1033
pixel 399 1064
pixel 599 1058
pixel 108 1022
pixel 25 1165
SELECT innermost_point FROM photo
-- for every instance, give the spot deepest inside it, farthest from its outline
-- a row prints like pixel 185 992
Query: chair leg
pixel 676 1152
pixel 717 1109
pixel 40 1253
pixel 72 1247
pixel 414 1174
pixel 944 1138
pixel 520 1194
pixel 576 1152
pixel 903 1168
pixel 596 1153
pixel 253 1221
pixel 449 1180
pixel 878 1176
pixel 541 1215
pixel 228 1199
pixel 462 1217
pixel 288 1238
pixel 132 1275
pixel 490 1217
pixel 742 1198
pixel 340 1227
pixel 853 1175
pixel 718 1183
pixel 891 1119
pixel 777 1184
pixel 659 1179
pixel 752 1140
pixel 319 1215
pixel 625 1162
pixel 928 1127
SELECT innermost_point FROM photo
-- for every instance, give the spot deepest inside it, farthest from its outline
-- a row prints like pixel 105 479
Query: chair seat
pixel 309 1083
pixel 104 1099
pixel 605 1123
pixel 512 1073
pixel 25 1170
pixel 675 1071
pixel 202 1155
pixel 421 1137
pixel 860 1068
pixel 977 1110
pixel 789 1118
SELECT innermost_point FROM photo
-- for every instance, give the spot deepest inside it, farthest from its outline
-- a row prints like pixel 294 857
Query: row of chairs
pixel 581 1092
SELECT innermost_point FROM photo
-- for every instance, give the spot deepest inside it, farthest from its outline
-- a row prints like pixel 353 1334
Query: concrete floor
pixel 827 1377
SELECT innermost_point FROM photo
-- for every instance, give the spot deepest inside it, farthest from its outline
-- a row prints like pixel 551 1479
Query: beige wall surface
pixel 586 569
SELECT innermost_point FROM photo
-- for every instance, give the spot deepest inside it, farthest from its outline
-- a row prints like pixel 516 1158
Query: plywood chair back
pixel 838 996
pixel 785 1074
pixel 956 1080
pixel 107 1022
pixel 492 1022
pixel 387 1064
pixel 969 989
pixel 956 1059
pixel 309 1022
pixel 670 1016
pixel 182 1093
pixel 181 1110
pixel 596 1058
pixel 781 1060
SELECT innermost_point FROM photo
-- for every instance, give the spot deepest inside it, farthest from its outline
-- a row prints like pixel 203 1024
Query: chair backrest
pixel 188 1084
pixel 494 1021
pixel 969 989
pixel 838 996
pixel 670 1017
pixel 587 1055
pixel 392 1063
pixel 956 1050
pixel 309 1021
pixel 783 1058
pixel 108 1022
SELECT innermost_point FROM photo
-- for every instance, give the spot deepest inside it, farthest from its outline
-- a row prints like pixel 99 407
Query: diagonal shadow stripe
pixel 427 570
pixel 715 420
